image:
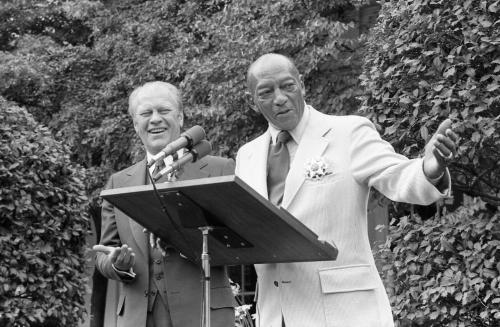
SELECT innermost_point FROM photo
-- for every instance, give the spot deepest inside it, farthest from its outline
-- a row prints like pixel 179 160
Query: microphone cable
pixel 169 217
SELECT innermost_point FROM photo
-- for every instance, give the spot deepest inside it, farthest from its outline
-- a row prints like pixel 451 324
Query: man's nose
pixel 155 116
pixel 279 97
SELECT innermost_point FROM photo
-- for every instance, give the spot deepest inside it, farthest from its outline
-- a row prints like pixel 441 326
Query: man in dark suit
pixel 157 286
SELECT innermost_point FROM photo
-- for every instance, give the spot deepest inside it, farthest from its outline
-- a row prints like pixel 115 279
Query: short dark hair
pixel 264 57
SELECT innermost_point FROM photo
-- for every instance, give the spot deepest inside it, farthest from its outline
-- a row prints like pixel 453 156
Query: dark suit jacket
pixel 184 279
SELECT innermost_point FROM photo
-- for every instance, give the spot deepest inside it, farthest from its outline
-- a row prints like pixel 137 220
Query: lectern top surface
pixel 247 228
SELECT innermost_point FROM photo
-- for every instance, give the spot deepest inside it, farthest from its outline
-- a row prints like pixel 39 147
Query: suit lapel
pixel 137 176
pixel 312 145
pixel 256 164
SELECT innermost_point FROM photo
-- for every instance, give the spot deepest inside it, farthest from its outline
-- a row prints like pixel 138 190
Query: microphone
pixel 198 151
pixel 187 139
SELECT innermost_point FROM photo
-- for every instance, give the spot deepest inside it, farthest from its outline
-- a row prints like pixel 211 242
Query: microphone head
pixel 194 135
pixel 201 149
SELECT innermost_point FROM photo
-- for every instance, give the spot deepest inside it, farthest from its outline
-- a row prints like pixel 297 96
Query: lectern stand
pixel 239 225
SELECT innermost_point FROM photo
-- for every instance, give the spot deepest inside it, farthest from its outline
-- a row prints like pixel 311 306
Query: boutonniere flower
pixel 316 169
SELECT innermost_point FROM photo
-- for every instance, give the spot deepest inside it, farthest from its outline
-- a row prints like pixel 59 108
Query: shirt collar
pixel 298 131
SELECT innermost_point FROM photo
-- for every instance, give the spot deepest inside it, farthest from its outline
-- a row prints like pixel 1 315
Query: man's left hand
pixel 440 150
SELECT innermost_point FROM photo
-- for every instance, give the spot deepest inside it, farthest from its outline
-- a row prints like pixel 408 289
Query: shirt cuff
pixel 435 181
pixel 128 275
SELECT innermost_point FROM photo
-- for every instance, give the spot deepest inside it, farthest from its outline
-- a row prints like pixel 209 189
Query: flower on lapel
pixel 316 169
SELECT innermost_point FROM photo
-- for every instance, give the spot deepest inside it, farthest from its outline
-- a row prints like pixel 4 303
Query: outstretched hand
pixel 440 150
pixel 122 258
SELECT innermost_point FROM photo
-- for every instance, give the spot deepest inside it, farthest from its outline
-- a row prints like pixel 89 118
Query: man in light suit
pixel 334 161
pixel 157 287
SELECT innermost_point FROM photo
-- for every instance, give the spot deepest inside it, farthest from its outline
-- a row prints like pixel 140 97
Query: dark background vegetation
pixel 67 67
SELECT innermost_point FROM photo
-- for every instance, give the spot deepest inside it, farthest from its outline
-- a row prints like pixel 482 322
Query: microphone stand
pixel 205 259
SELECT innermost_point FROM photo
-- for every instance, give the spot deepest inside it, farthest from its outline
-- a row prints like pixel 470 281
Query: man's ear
pixel 250 102
pixel 135 126
pixel 181 119
pixel 302 85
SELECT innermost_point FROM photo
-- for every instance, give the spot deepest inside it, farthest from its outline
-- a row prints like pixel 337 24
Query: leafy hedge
pixel 431 59
pixel 445 272
pixel 428 60
pixel 43 223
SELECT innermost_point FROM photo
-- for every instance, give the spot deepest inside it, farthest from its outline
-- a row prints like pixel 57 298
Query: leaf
pixel 488 273
pixel 484 22
pixel 480 108
pixel 437 63
pixel 438 87
pixel 449 72
pixel 470 71
pixel 405 99
pixel 434 315
pixel 424 133
pixel 492 87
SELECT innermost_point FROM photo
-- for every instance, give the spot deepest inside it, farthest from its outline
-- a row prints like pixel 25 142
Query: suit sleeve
pixel 375 163
pixel 109 237
pixel 228 168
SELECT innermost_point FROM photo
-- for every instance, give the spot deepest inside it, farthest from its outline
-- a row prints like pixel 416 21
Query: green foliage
pixel 43 223
pixel 431 59
pixel 445 272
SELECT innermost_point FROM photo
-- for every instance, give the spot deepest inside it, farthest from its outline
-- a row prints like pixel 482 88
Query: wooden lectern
pixel 241 226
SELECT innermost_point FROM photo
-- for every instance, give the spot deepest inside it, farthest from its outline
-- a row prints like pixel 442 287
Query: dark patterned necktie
pixel 159 166
pixel 278 164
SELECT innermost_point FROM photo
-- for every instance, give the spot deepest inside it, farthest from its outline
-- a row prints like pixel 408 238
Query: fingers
pixel 445 125
pixel 446 146
pixel 122 257
pixel 103 248
pixel 452 135
pixel 445 142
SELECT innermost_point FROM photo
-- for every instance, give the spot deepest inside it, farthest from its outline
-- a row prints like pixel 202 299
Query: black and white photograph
pixel 249 163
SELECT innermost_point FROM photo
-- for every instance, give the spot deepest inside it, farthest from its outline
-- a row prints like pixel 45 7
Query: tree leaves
pixel 44 222
pixel 448 51
pixel 448 265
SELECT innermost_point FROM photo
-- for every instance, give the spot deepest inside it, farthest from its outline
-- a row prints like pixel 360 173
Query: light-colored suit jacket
pixel 184 278
pixel 346 292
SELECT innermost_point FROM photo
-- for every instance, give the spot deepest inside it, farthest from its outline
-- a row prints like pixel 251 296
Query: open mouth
pixel 157 130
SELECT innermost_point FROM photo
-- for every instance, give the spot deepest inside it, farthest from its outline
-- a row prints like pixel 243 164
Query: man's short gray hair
pixel 161 86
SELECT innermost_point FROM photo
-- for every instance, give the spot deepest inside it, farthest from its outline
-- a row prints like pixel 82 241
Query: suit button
pixel 276 283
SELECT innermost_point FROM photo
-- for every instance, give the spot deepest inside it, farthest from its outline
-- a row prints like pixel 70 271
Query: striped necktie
pixel 159 165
